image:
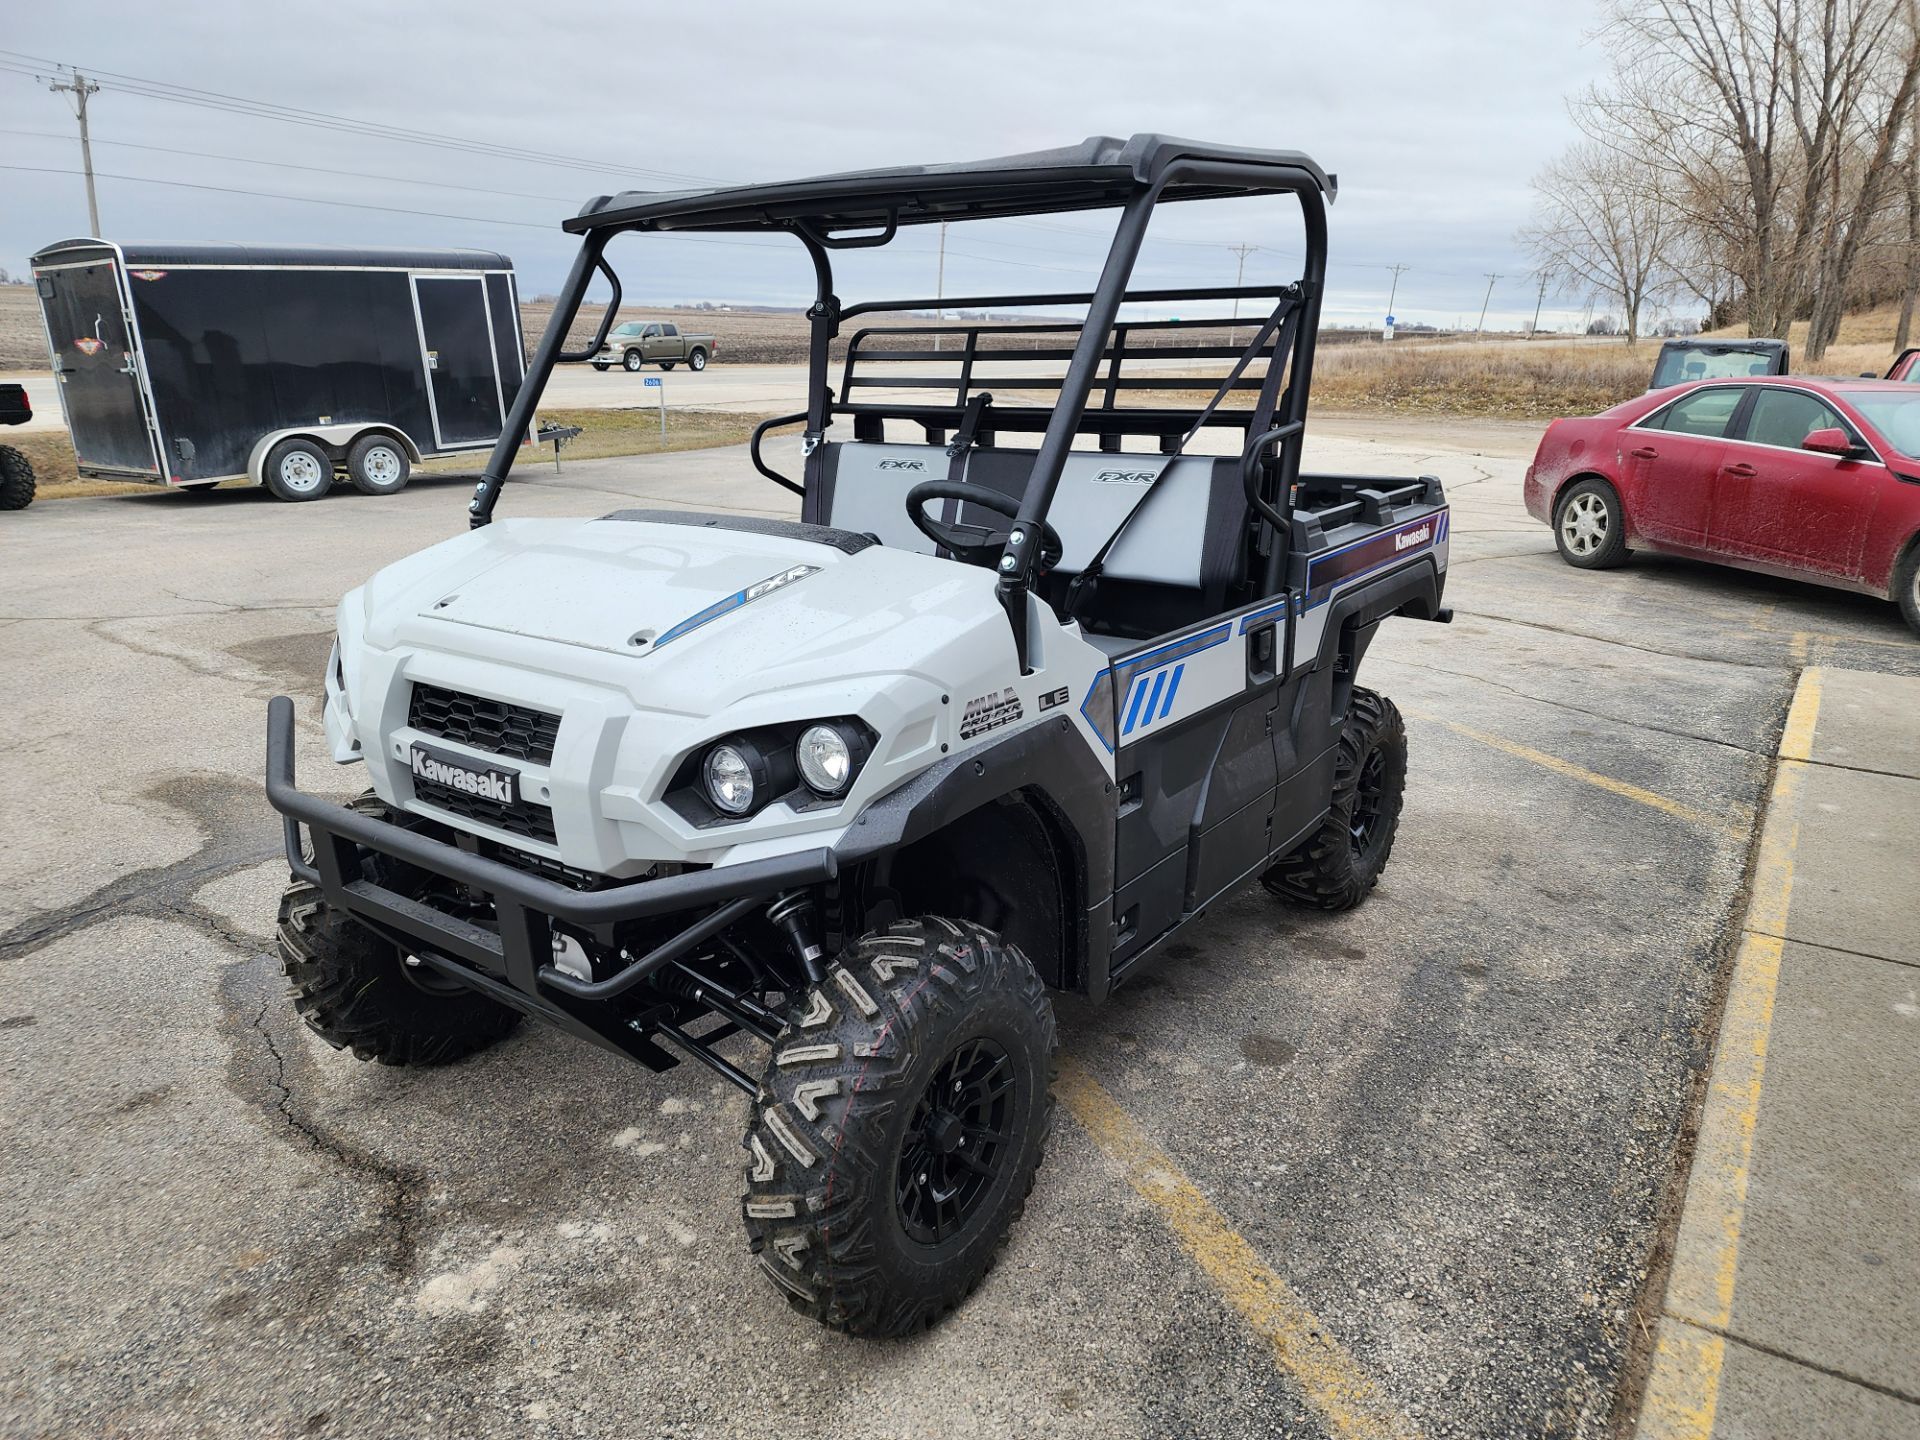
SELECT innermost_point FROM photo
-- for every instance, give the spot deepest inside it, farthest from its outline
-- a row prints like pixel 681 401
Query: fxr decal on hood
pixel 736 600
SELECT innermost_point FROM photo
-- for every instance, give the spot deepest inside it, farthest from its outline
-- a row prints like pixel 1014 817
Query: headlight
pixel 825 759
pixel 728 773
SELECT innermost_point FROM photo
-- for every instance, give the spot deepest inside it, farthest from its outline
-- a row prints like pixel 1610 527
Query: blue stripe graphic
pixel 1172 690
pixel 1133 710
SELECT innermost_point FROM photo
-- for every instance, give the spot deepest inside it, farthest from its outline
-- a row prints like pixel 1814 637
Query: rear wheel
pixel 902 1116
pixel 16 479
pixel 355 990
pixel 298 470
pixel 1337 866
pixel 1589 526
pixel 634 360
pixel 378 465
pixel 1906 584
pixel 697 360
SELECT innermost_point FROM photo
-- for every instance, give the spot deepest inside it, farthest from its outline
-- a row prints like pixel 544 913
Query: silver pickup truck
pixel 653 342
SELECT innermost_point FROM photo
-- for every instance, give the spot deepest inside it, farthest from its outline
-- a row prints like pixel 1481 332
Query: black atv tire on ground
pixel 848 1157
pixel 1337 866
pixel 354 991
pixel 16 479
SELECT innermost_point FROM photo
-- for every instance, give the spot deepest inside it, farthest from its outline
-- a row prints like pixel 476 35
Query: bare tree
pixel 1598 224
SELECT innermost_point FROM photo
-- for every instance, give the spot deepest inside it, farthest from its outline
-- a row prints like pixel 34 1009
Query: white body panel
pixel 547 613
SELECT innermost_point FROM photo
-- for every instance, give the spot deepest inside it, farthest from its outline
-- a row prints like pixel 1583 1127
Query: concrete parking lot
pixel 1402 1171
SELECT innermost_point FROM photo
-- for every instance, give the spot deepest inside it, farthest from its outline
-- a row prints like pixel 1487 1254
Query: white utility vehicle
pixel 989 719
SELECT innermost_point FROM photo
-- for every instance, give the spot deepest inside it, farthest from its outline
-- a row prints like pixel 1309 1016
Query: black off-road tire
pixel 353 990
pixel 16 479
pixel 840 1108
pixel 378 465
pixel 668 364
pixel 1337 866
pixel 697 360
pixel 633 360
pixel 1906 585
pixel 1591 497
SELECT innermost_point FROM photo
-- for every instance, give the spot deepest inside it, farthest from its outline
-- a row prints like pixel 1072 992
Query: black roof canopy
pixel 230 253
pixel 1098 173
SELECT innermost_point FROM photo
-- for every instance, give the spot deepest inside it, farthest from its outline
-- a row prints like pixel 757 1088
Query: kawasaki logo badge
pixel 455 773
pixel 1412 537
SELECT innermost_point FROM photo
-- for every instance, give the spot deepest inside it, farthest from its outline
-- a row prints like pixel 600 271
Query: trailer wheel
pixel 16 479
pixel 901 1118
pixel 298 470
pixel 697 360
pixel 355 990
pixel 634 360
pixel 1337 866
pixel 378 465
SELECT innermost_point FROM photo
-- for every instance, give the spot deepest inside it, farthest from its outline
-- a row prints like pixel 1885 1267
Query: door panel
pixel 93 360
pixel 1777 503
pixel 462 368
pixel 1668 465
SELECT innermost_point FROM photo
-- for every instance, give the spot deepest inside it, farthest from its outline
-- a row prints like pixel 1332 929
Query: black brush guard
pixel 512 963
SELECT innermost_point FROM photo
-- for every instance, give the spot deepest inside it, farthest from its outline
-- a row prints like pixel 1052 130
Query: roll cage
pixel 867 209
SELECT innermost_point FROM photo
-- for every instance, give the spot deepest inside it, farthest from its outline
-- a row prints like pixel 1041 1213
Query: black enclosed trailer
pixel 187 364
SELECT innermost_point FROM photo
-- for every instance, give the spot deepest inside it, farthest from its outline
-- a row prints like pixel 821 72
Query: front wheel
pixel 16 479
pixel 668 364
pixel 1337 866
pixel 634 360
pixel 356 991
pixel 697 360
pixel 299 470
pixel 602 366
pixel 903 1113
pixel 1589 527
pixel 1906 585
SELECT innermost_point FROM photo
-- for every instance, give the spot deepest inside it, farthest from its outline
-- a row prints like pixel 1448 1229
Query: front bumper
pixel 512 960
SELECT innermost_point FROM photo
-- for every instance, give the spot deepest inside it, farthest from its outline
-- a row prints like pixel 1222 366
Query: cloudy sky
pixel 1433 116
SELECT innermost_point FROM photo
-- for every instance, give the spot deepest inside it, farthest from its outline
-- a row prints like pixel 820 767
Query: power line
pixel 314 169
pixel 1239 273
pixel 323 120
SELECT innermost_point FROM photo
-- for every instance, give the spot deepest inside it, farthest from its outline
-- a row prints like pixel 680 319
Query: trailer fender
pixel 337 438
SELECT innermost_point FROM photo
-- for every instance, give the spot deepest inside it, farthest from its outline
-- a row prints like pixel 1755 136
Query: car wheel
pixel 667 364
pixel 601 365
pixel 298 470
pixel 1906 585
pixel 378 465
pixel 633 360
pixel 1589 526
pixel 697 360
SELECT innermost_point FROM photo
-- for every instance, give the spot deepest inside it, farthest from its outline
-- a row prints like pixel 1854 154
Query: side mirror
pixel 1831 441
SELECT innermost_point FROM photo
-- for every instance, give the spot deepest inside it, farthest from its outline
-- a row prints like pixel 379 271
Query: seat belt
pixel 1282 319
pixel 963 438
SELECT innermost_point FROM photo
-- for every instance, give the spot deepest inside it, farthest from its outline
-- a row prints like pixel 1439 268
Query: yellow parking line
pixel 1676 808
pixel 1684 1385
pixel 1332 1382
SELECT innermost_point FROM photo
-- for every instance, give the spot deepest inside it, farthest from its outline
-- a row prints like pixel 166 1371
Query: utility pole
pixel 940 285
pixel 1392 290
pixel 1480 328
pixel 80 88
pixel 1239 270
pixel 1538 301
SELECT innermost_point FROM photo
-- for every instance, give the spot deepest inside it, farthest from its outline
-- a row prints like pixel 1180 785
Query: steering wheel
pixel 975 544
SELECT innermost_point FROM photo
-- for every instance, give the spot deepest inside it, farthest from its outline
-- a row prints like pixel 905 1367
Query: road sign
pixel 653 383
pixel 653 380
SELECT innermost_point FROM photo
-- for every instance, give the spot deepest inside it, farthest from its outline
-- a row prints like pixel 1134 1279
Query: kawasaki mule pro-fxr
pixel 989 719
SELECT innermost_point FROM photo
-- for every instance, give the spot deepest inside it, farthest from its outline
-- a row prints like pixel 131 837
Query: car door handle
pixel 1743 470
pixel 1645 452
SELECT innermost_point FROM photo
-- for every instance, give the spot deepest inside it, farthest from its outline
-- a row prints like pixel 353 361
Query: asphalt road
pixel 1445 1123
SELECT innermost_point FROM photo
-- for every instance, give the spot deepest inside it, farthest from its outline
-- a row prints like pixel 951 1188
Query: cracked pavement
pixel 1449 1120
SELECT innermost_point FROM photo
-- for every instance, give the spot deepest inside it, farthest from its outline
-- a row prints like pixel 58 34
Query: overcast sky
pixel 1433 116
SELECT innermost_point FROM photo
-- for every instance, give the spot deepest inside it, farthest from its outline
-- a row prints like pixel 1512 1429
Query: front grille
pixel 515 731
pixel 533 821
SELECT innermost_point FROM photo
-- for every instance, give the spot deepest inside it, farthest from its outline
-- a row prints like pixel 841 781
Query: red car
pixel 1813 479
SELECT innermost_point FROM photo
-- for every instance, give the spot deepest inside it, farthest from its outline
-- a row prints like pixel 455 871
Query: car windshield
pixel 628 329
pixel 1676 367
pixel 1894 413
